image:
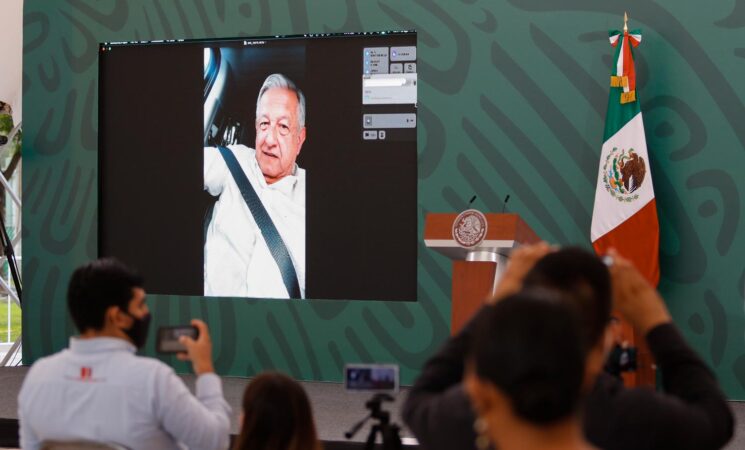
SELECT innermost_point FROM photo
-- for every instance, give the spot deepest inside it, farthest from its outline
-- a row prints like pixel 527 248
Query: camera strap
pixel 268 230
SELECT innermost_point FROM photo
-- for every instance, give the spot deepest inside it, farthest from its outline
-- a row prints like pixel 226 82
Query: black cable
pixel 12 264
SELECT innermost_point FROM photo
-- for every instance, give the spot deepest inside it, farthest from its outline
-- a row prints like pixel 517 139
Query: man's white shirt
pixel 237 260
pixel 99 390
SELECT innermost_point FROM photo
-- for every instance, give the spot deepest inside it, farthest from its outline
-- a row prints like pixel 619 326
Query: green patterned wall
pixel 512 98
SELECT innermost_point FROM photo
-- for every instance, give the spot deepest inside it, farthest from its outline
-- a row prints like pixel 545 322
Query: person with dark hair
pixel 525 372
pixel 99 390
pixel 276 416
pixel 691 412
pixel 585 278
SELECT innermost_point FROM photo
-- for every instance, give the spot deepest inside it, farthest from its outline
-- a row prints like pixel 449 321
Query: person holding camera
pixel 691 412
pixel 100 390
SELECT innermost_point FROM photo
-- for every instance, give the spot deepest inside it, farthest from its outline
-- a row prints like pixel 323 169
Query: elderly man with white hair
pixel 255 243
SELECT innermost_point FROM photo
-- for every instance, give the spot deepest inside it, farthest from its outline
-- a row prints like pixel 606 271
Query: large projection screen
pixel 274 167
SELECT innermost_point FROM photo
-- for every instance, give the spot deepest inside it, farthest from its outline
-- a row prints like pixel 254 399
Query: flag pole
pixel 625 22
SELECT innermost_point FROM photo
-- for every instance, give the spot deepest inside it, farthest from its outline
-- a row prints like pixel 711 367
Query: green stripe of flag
pixel 618 115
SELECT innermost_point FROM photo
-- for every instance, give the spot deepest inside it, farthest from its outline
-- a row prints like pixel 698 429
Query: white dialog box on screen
pixel 389 89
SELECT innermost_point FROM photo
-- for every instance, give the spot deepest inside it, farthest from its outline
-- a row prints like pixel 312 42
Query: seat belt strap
pixel 268 230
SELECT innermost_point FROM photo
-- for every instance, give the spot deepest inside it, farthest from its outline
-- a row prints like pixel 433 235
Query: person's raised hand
pixel 198 351
pixel 633 296
pixel 521 261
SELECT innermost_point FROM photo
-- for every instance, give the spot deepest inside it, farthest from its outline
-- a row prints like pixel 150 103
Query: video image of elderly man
pixel 255 241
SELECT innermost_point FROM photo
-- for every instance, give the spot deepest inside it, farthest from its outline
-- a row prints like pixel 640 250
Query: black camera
pixel 621 359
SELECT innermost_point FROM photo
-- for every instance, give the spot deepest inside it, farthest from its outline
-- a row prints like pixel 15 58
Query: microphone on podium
pixel 504 205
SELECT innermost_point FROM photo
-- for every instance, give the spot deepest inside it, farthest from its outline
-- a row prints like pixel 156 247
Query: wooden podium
pixel 476 269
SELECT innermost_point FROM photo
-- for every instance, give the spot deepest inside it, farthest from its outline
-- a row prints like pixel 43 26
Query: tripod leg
pixel 370 444
pixel 391 438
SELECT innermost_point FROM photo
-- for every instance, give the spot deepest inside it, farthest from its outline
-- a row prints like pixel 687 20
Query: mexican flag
pixel 625 211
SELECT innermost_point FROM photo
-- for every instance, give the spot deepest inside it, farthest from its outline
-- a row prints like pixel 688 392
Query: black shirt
pixel 691 414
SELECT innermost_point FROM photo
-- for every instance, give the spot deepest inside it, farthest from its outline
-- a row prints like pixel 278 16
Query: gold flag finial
pixel 625 22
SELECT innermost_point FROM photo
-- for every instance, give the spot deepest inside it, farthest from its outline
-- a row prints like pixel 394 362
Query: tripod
pixel 388 431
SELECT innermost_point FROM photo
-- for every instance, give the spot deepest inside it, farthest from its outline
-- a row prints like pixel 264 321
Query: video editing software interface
pixel 269 167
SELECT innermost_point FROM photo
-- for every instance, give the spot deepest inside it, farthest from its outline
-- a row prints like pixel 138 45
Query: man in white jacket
pixel 99 390
pixel 250 253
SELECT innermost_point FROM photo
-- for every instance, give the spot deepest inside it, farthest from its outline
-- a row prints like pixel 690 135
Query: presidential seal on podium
pixel 469 228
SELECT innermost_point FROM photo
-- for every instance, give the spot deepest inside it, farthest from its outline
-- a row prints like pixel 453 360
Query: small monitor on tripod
pixel 371 377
